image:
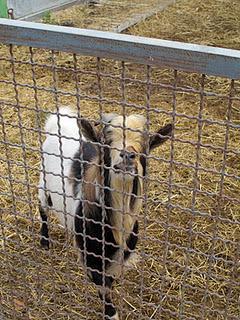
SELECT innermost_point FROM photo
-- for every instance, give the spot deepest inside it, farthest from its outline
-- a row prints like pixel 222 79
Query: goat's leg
pixel 110 311
pixel 45 201
pixel 91 260
pixel 44 240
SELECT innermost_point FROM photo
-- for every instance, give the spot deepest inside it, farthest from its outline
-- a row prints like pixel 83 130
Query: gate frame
pixel 187 57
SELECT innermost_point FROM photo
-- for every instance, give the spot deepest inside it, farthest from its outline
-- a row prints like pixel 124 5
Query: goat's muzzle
pixel 128 163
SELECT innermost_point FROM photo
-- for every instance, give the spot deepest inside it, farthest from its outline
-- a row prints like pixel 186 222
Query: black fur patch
pixel 134 192
pixel 88 130
pixel 49 201
pixel 160 136
pixel 110 311
pixel 93 237
pixel 143 163
pixel 44 241
pixel 131 241
pixel 107 193
pixel 88 153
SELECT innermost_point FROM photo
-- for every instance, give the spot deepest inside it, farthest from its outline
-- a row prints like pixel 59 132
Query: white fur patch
pixel 63 123
pixel 53 163
pixel 132 261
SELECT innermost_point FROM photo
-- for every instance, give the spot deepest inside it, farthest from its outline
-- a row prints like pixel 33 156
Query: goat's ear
pixel 160 136
pixel 88 130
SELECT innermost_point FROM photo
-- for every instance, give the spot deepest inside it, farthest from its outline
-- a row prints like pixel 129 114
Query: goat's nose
pixel 127 155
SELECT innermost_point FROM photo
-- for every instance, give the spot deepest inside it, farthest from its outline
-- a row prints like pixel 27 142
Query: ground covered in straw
pixel 189 264
pixel 107 15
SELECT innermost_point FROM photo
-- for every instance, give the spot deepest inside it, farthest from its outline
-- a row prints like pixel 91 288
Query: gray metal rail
pixel 162 53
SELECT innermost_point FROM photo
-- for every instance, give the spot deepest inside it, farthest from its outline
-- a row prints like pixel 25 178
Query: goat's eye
pixel 132 156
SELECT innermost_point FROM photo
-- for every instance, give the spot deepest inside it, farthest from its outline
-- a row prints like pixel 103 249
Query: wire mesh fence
pixel 136 146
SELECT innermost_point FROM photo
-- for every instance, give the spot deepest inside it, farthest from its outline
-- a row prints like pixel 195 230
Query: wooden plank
pixel 109 15
pixel 141 17
pixel 149 51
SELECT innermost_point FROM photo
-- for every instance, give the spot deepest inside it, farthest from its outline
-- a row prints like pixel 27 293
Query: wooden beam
pixel 141 17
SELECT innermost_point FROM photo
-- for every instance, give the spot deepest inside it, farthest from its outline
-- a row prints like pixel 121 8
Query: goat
pixel 71 180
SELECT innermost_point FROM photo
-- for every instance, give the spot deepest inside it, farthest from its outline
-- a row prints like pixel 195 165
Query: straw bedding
pixel 107 15
pixel 189 264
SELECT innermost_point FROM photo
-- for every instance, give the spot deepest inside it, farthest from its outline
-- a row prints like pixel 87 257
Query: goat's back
pixel 59 148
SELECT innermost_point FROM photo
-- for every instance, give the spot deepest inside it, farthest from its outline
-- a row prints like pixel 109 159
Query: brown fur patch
pixel 123 218
pixel 131 138
pixel 91 178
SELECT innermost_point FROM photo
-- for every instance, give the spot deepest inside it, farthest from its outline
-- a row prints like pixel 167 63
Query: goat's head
pixel 126 137
pixel 127 141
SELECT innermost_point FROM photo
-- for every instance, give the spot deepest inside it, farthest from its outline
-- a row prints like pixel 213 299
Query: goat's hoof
pixel 44 243
pixel 112 317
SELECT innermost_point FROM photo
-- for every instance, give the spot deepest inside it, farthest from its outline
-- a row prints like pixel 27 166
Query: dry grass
pixel 207 22
pixel 108 15
pixel 173 282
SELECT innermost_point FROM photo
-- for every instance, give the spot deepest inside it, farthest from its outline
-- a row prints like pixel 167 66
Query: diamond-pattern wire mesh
pixel 189 225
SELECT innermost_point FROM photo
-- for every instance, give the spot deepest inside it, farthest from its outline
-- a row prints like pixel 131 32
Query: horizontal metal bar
pixel 148 51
